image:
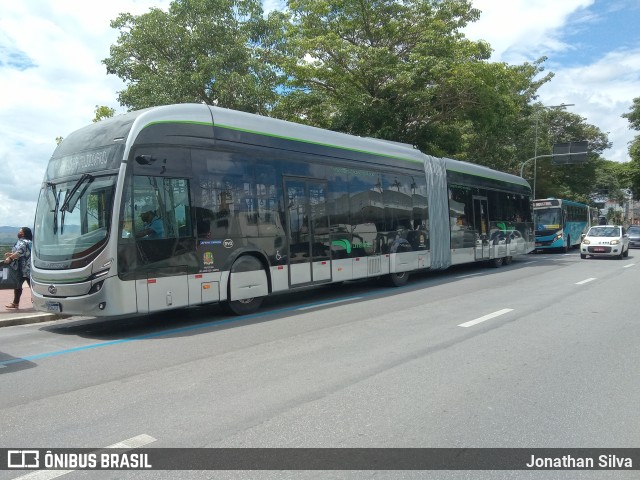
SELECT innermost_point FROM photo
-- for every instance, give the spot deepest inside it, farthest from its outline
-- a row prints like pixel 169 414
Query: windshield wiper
pixel 71 199
pixel 56 199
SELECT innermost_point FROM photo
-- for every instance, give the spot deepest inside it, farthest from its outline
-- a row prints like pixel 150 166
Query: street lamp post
pixel 535 148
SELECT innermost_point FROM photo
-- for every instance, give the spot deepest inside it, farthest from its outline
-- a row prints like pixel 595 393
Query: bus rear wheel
pixel 397 279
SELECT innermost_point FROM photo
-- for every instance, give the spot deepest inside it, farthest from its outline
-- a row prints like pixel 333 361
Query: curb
pixel 28 319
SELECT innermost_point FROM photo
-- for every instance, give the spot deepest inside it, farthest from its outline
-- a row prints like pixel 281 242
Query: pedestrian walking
pixel 20 259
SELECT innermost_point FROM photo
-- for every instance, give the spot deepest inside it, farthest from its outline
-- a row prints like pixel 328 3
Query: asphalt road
pixel 540 353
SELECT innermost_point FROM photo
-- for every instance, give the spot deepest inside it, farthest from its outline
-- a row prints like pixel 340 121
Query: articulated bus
pixel 190 204
pixel 561 223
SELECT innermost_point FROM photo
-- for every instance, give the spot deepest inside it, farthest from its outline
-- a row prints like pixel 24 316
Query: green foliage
pixel 404 71
pixel 549 126
pixel 634 149
pixel 212 51
pixel 103 112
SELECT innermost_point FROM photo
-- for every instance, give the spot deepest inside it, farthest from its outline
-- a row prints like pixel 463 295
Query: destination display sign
pixel 545 203
pixel 96 160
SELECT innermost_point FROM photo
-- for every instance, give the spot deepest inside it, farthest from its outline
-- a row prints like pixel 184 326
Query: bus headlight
pixel 96 287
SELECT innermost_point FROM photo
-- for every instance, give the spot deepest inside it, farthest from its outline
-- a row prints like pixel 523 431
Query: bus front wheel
pixel 244 306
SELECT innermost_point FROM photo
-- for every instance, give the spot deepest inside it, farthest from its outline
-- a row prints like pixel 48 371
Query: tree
pixel 572 181
pixel 404 71
pixel 103 112
pixel 213 51
pixel 634 149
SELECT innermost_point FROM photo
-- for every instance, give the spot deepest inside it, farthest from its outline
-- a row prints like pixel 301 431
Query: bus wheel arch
pixel 248 272
pixel 398 279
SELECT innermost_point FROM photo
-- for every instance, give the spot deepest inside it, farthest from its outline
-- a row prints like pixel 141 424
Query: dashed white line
pixel 585 281
pixel 318 305
pixel 134 442
pixel 471 323
pixel 471 275
pixel 630 265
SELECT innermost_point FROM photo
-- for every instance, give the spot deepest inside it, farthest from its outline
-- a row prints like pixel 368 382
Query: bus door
pixel 481 227
pixel 307 231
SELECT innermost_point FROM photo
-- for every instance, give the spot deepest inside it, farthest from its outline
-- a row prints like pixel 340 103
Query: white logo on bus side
pixel 228 243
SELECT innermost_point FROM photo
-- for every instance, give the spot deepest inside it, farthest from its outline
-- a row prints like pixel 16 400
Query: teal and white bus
pixel 245 206
pixel 560 223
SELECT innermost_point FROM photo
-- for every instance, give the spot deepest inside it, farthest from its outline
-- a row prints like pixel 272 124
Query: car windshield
pixel 604 232
pixel 634 230
pixel 73 217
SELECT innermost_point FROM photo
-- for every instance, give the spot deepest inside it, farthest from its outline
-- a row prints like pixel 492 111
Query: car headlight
pixel 586 241
pixel 615 242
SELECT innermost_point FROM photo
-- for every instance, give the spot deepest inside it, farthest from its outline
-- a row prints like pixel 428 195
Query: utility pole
pixel 535 147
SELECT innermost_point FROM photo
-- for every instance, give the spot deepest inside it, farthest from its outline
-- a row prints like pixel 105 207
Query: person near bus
pixel 20 260
pixel 152 227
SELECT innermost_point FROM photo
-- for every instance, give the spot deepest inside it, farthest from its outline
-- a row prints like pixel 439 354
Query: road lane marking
pixel 630 265
pixel 471 275
pixel 471 323
pixel 134 442
pixel 585 281
pixel 324 304
pixel 175 331
pixel 130 443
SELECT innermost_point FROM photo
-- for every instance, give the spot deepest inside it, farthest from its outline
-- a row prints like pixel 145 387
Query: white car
pixel 605 241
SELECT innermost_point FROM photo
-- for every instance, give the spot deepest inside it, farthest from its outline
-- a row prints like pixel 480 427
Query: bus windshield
pixel 548 218
pixel 73 217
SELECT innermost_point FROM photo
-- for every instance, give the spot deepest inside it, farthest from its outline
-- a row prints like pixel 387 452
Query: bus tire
pixel 397 279
pixel 496 262
pixel 244 307
pixel 508 260
pixel 567 246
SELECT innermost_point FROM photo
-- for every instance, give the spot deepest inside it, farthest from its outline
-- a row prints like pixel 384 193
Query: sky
pixel 52 76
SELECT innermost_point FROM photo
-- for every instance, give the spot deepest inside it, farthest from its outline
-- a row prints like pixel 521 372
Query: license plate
pixel 599 249
pixel 54 307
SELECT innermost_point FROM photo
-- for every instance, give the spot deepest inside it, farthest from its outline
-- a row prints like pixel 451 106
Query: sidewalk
pixel 25 314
